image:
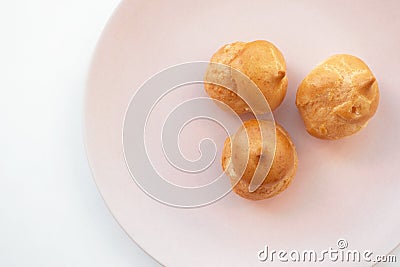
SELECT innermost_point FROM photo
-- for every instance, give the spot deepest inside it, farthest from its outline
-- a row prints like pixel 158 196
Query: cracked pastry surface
pixel 338 97
pixel 259 60
pixel 276 178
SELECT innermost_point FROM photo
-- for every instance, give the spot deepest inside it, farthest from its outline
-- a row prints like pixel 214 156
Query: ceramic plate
pixel 345 192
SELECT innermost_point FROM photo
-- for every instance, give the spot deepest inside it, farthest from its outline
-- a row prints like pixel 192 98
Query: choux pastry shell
pixel 277 177
pixel 260 61
pixel 338 97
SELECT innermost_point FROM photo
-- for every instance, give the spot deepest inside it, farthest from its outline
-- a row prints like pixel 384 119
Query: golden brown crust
pixel 259 60
pixel 281 173
pixel 338 97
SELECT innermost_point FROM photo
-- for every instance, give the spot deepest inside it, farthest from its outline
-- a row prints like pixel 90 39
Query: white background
pixel 51 213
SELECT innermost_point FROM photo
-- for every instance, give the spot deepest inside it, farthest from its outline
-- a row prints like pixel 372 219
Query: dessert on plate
pixel 260 61
pixel 248 148
pixel 338 97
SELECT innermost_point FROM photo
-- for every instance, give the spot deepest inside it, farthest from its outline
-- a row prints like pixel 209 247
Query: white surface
pixel 325 201
pixel 51 213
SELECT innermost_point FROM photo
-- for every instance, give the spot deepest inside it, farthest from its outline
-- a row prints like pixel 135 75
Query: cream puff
pixel 260 61
pixel 246 150
pixel 338 97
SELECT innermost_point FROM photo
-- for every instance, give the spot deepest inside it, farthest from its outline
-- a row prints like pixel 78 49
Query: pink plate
pixel 346 189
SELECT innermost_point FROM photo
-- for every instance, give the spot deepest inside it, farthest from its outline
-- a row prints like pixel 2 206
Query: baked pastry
pixel 249 151
pixel 338 97
pixel 260 61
